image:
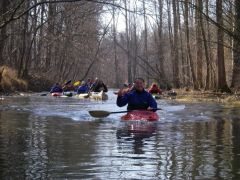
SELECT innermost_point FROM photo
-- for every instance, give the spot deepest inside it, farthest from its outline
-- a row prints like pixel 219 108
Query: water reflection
pixel 36 153
pixel 53 139
pixel 13 144
pixel 135 132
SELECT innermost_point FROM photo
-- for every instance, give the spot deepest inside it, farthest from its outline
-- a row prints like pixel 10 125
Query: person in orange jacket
pixel 154 89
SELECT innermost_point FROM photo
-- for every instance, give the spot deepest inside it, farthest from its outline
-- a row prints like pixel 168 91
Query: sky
pixel 120 15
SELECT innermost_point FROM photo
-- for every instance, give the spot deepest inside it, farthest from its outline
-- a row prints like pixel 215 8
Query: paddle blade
pixel 99 114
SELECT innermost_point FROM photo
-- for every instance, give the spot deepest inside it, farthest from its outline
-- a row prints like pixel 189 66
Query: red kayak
pixel 56 94
pixel 141 115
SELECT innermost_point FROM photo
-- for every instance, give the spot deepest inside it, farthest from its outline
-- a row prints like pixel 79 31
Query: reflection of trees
pixel 36 153
pixel 2 166
pixel 30 146
pixel 71 147
pixel 12 144
pixel 195 149
pixel 235 160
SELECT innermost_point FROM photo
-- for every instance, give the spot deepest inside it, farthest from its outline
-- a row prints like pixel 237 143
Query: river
pixel 43 137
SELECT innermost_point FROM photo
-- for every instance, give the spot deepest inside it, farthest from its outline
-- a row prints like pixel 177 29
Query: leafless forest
pixel 177 43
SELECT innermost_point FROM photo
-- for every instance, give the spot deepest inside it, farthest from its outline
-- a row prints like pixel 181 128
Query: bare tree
pixel 222 83
pixel 236 45
pixel 175 46
pixel 186 20
pixel 199 34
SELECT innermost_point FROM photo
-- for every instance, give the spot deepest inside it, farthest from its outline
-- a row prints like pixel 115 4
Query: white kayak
pixel 83 96
pixel 98 95
pixel 93 95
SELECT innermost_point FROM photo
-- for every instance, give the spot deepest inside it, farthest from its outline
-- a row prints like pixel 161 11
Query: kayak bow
pixel 141 115
pixel 56 94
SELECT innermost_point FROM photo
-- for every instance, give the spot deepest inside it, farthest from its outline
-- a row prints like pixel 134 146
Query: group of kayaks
pixel 92 95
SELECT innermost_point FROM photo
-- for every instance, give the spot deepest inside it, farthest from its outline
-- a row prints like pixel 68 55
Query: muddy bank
pixel 10 83
pixel 203 96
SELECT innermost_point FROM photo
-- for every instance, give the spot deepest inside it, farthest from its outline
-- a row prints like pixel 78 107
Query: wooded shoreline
pixel 11 85
pixel 174 43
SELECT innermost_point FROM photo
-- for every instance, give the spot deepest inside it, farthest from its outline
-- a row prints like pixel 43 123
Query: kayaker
pixel 89 83
pixel 94 84
pixel 136 99
pixel 83 88
pixel 154 89
pixel 99 86
pixel 68 86
pixel 77 83
pixel 56 88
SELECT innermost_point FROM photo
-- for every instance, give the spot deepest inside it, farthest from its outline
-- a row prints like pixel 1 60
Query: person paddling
pixel 99 86
pixel 154 89
pixel 68 86
pixel 56 88
pixel 136 99
pixel 83 88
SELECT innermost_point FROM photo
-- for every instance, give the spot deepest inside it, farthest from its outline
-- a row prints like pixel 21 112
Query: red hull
pixel 141 115
pixel 56 94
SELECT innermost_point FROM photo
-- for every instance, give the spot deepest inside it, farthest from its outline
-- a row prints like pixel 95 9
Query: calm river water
pixel 43 137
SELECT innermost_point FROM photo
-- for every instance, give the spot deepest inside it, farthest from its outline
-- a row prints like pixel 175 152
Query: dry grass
pixel 207 96
pixel 9 82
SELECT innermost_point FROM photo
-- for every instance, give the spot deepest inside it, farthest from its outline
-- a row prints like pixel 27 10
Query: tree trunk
pixel 186 2
pixel 207 80
pixel 222 83
pixel 50 34
pixel 135 50
pixel 3 8
pixel 146 41
pixel 183 61
pixel 115 48
pixel 199 43
pixel 175 47
pixel 170 35
pixel 127 41
pixel 212 74
pixel 24 43
pixel 40 39
pixel 236 45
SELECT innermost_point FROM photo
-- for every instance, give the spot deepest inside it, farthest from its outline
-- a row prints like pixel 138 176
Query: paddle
pixel 101 114
pixel 68 82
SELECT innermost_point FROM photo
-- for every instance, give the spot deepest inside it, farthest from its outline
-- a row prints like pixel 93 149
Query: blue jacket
pixel 56 88
pixel 82 89
pixel 137 100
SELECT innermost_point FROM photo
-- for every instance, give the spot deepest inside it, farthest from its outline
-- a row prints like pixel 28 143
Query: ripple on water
pixel 55 138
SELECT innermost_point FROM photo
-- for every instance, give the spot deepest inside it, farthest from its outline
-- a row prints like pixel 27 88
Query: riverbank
pixel 192 96
pixel 11 84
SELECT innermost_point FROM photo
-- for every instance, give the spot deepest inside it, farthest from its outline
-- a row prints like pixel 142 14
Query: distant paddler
pixel 56 88
pixel 154 89
pixel 83 89
pixel 99 86
pixel 77 83
pixel 68 86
